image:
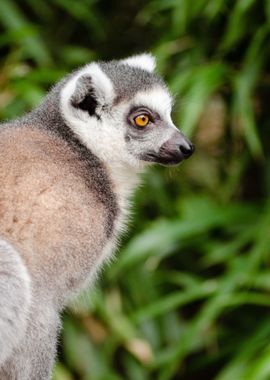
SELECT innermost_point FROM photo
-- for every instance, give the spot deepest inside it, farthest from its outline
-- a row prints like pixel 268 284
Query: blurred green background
pixel 188 297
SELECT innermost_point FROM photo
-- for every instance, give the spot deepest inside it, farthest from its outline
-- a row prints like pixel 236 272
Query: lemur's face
pixel 150 134
pixel 121 111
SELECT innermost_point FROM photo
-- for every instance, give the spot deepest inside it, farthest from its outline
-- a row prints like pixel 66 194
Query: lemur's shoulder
pixel 27 147
pixel 31 143
pixel 44 176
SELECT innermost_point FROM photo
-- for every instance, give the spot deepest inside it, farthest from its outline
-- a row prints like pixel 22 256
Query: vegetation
pixel 189 294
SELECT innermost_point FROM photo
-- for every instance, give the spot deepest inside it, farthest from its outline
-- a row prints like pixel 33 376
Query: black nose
pixel 186 150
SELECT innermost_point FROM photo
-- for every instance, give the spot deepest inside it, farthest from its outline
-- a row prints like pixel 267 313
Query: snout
pixel 175 150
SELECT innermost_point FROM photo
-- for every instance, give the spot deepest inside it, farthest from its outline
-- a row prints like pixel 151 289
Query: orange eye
pixel 141 120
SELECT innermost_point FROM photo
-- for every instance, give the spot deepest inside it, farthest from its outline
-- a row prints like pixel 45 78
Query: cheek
pixel 150 141
pixel 136 145
pixel 107 140
pixel 115 138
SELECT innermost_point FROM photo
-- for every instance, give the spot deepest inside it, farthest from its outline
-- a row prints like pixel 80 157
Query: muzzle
pixel 173 151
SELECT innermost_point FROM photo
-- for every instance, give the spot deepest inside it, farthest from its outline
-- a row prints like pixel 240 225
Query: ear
pixel 89 90
pixel 84 96
pixel 144 61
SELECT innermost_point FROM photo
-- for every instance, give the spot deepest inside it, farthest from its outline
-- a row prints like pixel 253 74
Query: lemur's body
pixel 66 171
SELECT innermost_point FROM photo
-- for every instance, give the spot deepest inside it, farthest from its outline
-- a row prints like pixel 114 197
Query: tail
pixel 15 298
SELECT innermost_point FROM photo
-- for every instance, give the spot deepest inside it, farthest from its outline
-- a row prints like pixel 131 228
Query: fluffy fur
pixel 67 170
pixel 143 61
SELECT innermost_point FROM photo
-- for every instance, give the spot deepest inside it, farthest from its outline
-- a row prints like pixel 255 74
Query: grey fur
pixel 61 208
pixel 128 80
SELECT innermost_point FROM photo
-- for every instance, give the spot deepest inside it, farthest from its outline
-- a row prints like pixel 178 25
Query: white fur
pixel 157 99
pixel 143 61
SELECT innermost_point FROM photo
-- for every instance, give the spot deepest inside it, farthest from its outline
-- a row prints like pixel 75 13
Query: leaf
pixel 237 23
pixel 205 81
pixel 32 45
pixel 173 301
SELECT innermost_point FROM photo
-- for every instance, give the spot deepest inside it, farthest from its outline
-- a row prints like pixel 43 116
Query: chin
pixel 164 160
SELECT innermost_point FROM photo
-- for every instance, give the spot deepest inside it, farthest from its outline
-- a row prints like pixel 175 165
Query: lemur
pixel 67 170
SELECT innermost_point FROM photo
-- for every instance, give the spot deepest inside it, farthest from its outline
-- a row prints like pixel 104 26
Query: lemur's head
pixel 121 111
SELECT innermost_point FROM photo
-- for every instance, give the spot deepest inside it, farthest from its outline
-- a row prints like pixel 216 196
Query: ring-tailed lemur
pixel 66 172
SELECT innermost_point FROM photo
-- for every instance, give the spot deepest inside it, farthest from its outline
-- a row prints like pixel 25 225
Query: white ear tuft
pixel 102 84
pixel 144 61
pixel 89 89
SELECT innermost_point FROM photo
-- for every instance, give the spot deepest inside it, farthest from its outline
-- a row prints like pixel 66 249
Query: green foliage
pixel 188 295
